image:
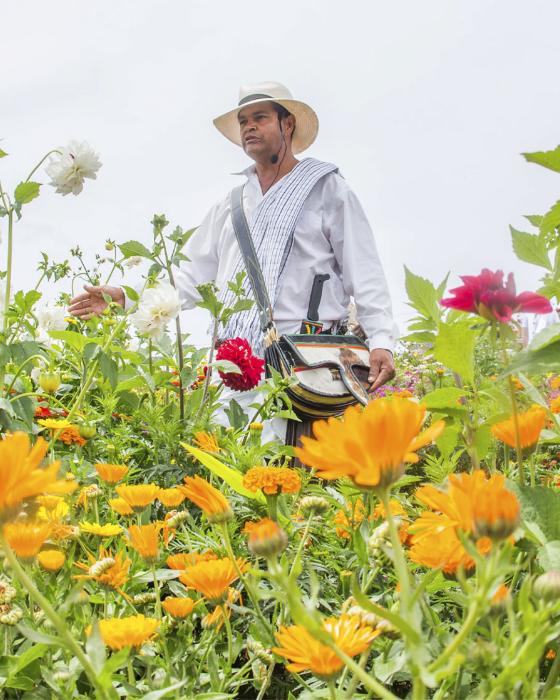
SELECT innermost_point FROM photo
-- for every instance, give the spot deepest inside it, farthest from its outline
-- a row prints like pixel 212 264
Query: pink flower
pixel 238 351
pixel 487 295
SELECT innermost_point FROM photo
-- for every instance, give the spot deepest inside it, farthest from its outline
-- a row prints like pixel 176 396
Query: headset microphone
pixel 274 159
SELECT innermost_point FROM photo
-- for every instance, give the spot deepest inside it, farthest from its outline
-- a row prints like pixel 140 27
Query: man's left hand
pixel 381 368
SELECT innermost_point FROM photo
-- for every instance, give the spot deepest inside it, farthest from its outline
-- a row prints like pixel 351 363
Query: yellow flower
pixel 349 519
pixel 111 473
pixel 272 480
pixel 21 477
pixel 214 505
pixel 145 540
pixel 206 441
pixel 26 538
pixel 308 654
pixel 138 496
pixel 133 631
pixel 101 530
pixel 212 578
pixel 171 497
pixel 107 570
pixel 51 559
pixel 54 424
pixel 179 607
pixel 394 505
pixel 371 445
pixel 120 506
pixel 530 424
pixel 555 383
pixel 52 508
pixel 184 559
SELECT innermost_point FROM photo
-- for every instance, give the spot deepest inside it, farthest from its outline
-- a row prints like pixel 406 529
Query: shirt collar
pixel 251 170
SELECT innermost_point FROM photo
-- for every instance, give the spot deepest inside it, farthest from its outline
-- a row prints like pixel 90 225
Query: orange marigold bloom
pixel 51 559
pixel 120 506
pixel 184 559
pixel 394 505
pixel 26 538
pixel 369 445
pixel 272 480
pixel 21 477
pixel 265 537
pixel 111 473
pixel 530 424
pixel 555 405
pixel 133 631
pixel 214 505
pixel 145 540
pixel 179 607
pixel 212 578
pixel 71 436
pixel 206 441
pixel 349 519
pixel 107 570
pixel 308 654
pixel 171 497
pixel 138 496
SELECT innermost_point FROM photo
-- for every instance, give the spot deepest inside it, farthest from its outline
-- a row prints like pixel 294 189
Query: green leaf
pixel 28 656
pixel 26 192
pixel 551 219
pixel 535 219
pixel 549 556
pixel 131 293
pixel 546 359
pixel 229 475
pixel 548 159
pixel 76 341
pixel 133 248
pixel 422 295
pixel 95 648
pixel 156 694
pixel 454 348
pixel 109 368
pixel 445 398
pixel 226 366
pixel 237 418
pixel 540 505
pixel 548 335
pixel 530 248
pixel 3 154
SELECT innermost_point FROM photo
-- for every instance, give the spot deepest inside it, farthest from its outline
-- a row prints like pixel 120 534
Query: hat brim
pixel 307 123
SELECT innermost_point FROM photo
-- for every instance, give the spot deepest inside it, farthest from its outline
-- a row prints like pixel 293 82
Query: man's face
pixel 260 131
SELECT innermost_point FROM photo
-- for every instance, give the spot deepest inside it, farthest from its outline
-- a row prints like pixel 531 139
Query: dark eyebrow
pixel 253 114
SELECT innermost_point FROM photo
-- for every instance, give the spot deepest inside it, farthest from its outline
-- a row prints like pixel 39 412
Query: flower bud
pixel 87 430
pixel 316 505
pixel 49 381
pixel 7 592
pixel 10 616
pixel 547 586
pixel 109 245
pixel 496 514
pixel 378 537
pixel 61 676
pixel 259 651
pixel 266 538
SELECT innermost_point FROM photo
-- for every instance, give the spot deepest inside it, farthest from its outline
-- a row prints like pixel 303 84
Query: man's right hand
pixel 91 303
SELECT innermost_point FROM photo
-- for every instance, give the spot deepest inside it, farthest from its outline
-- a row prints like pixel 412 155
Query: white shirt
pixel 332 236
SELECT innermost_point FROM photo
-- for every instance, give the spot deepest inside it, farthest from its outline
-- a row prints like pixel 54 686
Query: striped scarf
pixel 272 230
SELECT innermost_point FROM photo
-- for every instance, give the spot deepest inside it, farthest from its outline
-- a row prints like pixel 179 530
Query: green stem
pixel 7 289
pixel 368 681
pixel 398 554
pixel 451 648
pixel 515 416
pixel 301 545
pixel 130 667
pixel 40 163
pixel 159 613
pixel 227 624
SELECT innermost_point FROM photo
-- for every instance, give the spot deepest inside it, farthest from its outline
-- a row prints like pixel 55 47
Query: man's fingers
pixel 385 374
pixel 79 299
pixel 92 290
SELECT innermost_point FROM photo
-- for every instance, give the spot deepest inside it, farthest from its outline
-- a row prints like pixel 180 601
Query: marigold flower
pixel 213 504
pixel 496 513
pixel 530 424
pixel 133 631
pixel 88 493
pixel 120 506
pixel 51 559
pixel 394 505
pixel 107 530
pixel 111 473
pixel 308 654
pixel 487 295
pixel 206 441
pixel 212 578
pixel 265 537
pixel 216 617
pixel 51 508
pixel 171 497
pixel 138 496
pixel 107 570
pixel 370 445
pixel 239 351
pixel 72 436
pixel 555 405
pixel 26 538
pixel 272 480
pixel 21 477
pixel 145 540
pixel 184 559
pixel 349 519
pixel 179 607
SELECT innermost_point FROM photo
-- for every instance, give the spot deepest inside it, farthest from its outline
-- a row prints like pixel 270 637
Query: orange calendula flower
pixel 555 405
pixel 71 436
pixel 51 559
pixel 171 497
pixel 530 424
pixel 184 559
pixel 179 607
pixel 133 631
pixel 265 537
pixel 305 653
pixel 394 505
pixel 272 480
pixel 26 538
pixel 120 506
pixel 369 445
pixel 212 578
pixel 101 530
pixel 349 519
pixel 108 570
pixel 21 477
pixel 206 441
pixel 213 504
pixel 138 496
pixel 111 473
pixel 216 617
pixel 145 540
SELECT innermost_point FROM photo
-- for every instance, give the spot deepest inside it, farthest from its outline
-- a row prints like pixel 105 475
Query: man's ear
pixel 290 122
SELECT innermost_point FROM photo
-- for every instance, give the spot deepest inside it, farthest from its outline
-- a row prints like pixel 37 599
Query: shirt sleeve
pixel 356 253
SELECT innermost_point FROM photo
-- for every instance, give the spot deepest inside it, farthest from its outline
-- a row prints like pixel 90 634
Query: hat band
pixel 250 98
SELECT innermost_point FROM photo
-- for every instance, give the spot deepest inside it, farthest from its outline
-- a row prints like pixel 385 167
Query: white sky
pixel 424 106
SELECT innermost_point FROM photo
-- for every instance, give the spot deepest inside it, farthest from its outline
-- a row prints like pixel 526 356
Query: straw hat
pixel 307 124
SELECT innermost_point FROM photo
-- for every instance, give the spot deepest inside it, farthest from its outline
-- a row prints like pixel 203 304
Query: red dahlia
pixel 487 295
pixel 238 351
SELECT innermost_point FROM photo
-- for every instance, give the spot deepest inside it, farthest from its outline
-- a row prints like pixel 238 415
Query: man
pixel 330 236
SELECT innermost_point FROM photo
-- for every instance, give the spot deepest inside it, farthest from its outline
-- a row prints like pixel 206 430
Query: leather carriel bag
pixel 331 370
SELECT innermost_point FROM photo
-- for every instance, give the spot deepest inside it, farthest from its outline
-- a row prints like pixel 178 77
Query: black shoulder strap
pixel 252 265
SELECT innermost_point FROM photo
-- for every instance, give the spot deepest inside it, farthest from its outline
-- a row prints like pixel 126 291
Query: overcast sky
pixel 424 106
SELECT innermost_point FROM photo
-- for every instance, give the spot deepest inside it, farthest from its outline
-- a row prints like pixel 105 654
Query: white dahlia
pixel 71 166
pixel 156 308
pixel 50 317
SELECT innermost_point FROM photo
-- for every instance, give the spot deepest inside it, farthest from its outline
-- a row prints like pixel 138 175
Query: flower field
pixel 156 544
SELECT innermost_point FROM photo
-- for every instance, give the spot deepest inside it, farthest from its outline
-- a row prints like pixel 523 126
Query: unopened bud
pixel 11 617
pixel 547 586
pixel 175 520
pixel 259 651
pixel 49 381
pixel 378 537
pixel 316 505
